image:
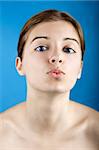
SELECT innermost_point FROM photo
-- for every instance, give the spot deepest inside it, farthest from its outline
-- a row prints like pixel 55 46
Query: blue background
pixel 13 15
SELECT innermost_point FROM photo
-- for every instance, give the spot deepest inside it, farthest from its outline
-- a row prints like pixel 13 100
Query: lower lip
pixel 56 75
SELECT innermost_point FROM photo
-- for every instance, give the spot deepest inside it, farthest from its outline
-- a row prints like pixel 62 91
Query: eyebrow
pixel 40 37
pixel 45 37
pixel 72 40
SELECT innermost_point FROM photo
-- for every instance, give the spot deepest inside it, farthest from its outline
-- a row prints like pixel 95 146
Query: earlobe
pixel 80 72
pixel 18 64
pixel 79 75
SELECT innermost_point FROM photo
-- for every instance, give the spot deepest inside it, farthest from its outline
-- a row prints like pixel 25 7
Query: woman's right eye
pixel 41 48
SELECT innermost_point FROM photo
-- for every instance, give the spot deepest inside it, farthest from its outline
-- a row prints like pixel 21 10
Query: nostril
pixel 53 60
pixel 60 61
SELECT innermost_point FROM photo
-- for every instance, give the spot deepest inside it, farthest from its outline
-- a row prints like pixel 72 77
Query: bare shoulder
pixel 1 122
pixel 91 115
pixel 85 109
pixel 11 116
pixel 13 111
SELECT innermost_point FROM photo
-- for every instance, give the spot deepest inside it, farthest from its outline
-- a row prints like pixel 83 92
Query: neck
pixel 45 111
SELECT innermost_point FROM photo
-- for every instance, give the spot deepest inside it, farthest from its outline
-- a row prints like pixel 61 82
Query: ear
pixel 18 64
pixel 80 72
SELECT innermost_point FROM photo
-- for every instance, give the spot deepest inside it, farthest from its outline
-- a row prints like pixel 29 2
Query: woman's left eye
pixel 69 50
pixel 41 48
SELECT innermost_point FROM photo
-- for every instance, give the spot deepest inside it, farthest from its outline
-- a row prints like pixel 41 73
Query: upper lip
pixel 56 71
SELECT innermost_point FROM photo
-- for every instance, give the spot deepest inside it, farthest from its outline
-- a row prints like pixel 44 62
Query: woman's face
pixel 52 46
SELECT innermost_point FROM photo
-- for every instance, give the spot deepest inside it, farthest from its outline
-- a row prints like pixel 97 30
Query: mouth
pixel 56 73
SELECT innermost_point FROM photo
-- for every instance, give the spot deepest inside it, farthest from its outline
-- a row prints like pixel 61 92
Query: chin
pixel 56 89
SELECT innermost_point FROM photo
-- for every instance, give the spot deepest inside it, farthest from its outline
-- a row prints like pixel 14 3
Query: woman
pixel 50 55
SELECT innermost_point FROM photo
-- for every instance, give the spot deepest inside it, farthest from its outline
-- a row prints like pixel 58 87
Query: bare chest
pixel 81 141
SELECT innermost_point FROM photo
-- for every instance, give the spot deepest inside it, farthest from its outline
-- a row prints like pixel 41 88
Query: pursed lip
pixel 57 71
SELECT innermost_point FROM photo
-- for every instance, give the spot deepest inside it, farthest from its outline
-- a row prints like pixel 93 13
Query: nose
pixel 56 60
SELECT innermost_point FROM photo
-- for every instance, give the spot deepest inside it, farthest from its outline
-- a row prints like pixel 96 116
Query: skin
pixel 49 119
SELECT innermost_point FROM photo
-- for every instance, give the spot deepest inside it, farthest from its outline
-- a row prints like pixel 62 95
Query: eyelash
pixel 65 49
pixel 39 47
pixel 68 50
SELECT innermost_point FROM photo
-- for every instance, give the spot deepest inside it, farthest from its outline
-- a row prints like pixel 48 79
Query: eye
pixel 41 48
pixel 69 50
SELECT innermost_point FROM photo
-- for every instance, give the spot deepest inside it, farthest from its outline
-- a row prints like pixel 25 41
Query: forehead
pixel 55 30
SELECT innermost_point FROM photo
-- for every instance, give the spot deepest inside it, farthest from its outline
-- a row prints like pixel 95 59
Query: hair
pixel 48 16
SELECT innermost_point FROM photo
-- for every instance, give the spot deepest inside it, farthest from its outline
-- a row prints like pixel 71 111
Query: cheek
pixel 73 67
pixel 72 71
pixel 33 65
